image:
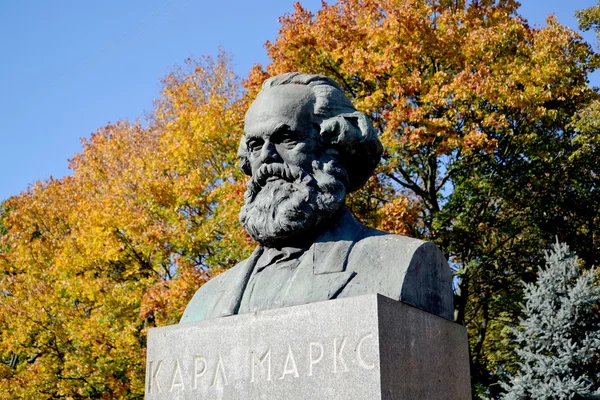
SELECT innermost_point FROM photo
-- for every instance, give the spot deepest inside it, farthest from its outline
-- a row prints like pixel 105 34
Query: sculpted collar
pixel 288 256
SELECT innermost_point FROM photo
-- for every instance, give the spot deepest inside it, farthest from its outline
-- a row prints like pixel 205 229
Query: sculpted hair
pixel 346 132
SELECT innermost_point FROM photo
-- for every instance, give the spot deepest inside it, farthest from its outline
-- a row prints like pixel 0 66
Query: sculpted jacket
pixel 347 260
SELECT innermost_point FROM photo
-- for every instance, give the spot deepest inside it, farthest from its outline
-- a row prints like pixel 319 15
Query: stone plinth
pixel 367 347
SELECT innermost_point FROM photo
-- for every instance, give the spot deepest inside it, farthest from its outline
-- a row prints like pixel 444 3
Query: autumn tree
pixel 490 151
pixel 88 262
pixel 477 111
pixel 589 18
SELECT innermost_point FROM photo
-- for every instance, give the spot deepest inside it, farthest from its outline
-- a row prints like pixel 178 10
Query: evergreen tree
pixel 559 337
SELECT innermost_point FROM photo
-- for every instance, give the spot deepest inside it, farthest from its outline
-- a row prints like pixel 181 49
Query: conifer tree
pixel 559 337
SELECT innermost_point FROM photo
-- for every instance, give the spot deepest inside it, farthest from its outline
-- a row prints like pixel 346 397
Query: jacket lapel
pixel 233 288
pixel 332 248
pixel 322 273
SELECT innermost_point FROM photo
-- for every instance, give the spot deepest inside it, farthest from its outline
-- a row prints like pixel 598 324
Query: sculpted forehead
pixel 288 104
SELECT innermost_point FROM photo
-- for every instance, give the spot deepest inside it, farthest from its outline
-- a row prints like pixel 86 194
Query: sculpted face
pixel 294 183
pixel 279 128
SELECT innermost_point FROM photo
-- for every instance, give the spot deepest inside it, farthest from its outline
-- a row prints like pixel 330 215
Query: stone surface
pixel 305 148
pixel 364 347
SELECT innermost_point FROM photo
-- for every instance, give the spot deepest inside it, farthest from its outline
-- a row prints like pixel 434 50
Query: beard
pixel 285 202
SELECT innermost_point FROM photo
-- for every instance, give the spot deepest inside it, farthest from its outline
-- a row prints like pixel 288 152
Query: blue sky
pixel 70 67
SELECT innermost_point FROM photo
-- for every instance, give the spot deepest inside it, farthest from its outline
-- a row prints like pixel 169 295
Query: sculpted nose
pixel 269 153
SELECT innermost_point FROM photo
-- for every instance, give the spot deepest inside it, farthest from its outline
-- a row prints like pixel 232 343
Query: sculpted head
pixel 305 147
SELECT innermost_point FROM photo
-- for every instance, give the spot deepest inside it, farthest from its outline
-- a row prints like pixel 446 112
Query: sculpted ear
pixel 355 139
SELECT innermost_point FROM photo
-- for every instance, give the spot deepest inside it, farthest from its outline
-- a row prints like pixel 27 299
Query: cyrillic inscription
pixel 153 376
pixel 314 359
pixel 290 365
pixel 199 369
pixel 310 360
pixel 266 358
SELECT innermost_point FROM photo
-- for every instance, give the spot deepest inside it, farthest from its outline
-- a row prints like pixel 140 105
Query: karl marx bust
pixel 305 147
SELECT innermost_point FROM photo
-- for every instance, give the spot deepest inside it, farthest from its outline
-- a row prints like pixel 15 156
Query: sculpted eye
pixel 287 137
pixel 254 145
pixel 288 140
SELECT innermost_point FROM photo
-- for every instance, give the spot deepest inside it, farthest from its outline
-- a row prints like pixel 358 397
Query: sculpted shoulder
pixel 357 260
pixel 402 268
pixel 208 301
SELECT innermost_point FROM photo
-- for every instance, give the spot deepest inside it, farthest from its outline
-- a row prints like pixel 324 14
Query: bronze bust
pixel 305 147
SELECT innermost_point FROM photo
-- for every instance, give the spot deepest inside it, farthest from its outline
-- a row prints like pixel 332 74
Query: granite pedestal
pixel 366 347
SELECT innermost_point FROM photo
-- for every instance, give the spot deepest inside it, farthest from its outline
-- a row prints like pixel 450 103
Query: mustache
pixel 289 173
pixel 286 172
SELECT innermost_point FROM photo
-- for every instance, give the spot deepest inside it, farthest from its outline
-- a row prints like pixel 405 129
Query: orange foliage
pixel 455 88
pixel 471 104
pixel 434 73
pixel 399 216
pixel 90 261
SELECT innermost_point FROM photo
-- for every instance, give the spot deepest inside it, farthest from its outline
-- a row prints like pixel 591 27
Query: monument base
pixel 366 347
